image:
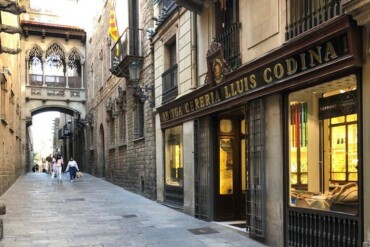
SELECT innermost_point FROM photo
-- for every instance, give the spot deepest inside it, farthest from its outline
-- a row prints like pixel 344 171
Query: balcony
pixel 55 81
pixel 166 8
pixel 303 15
pixel 192 5
pixel 36 92
pixel 169 83
pixel 128 48
pixel 229 39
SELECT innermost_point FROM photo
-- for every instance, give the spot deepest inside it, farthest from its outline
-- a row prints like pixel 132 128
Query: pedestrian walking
pixel 52 170
pixel 72 167
pixel 49 162
pixel 57 168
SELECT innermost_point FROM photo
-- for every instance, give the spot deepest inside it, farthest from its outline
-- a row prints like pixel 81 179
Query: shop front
pixel 314 82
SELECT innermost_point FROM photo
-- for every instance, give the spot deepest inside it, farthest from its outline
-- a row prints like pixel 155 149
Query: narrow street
pixel 92 212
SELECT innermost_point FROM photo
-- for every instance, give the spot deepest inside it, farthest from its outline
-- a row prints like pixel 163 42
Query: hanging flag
pixel 113 30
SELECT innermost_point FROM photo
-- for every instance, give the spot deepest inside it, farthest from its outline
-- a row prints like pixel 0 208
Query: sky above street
pixel 42 132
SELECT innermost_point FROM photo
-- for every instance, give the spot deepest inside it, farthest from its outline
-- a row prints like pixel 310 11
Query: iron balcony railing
pixel 35 80
pixel 55 81
pixel 169 83
pixel 128 45
pixel 230 41
pixel 302 15
pixel 165 7
pixel 165 3
pixel 74 82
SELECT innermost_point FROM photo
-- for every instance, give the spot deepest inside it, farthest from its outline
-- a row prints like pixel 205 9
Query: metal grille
pixel 255 195
pixel 201 144
pixel 315 229
pixel 303 15
pixel 229 40
pixel 169 83
pixel 138 118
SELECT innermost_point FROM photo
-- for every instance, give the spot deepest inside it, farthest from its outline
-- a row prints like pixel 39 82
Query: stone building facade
pixel 52 72
pixel 232 141
pixel 12 144
pixel 121 140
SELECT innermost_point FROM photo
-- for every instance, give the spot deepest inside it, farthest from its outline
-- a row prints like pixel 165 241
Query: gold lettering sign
pixel 264 76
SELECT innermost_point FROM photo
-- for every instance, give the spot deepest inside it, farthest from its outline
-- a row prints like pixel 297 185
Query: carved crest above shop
pixel 216 64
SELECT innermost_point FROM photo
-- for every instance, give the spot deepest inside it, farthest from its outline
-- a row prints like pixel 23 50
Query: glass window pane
pixel 243 164
pixel 324 163
pixel 293 178
pixel 337 120
pixel 226 126
pixel 338 152
pixel 174 156
pixel 304 178
pixel 226 166
pixel 352 148
pixel 351 118
pixel 242 127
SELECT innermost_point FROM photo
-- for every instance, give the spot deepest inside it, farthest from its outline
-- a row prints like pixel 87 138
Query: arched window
pixel 74 69
pixel 55 66
pixel 35 66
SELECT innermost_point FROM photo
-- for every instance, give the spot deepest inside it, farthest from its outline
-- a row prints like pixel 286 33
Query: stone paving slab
pixel 93 212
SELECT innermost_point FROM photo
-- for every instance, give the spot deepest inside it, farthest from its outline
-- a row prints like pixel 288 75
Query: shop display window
pixel 226 166
pixel 174 156
pixel 323 146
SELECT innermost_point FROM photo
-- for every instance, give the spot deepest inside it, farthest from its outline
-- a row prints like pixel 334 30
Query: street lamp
pixel 134 76
pixel 134 73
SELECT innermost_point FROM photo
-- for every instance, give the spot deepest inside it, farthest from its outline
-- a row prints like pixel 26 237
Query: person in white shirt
pixel 72 167
pixel 57 168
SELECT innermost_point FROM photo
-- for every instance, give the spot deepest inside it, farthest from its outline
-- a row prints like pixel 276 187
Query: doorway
pixel 101 154
pixel 230 183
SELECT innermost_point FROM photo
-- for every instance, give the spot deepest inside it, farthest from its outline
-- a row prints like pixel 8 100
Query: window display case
pixel 298 145
pixel 343 149
pixel 323 165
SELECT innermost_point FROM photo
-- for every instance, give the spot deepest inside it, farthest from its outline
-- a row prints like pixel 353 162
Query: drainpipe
pixel 194 57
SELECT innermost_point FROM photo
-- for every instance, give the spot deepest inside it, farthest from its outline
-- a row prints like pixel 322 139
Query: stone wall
pixel 129 163
pixel 11 105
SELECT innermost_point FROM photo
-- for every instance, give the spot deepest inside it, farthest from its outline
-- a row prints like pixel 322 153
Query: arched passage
pixel 66 131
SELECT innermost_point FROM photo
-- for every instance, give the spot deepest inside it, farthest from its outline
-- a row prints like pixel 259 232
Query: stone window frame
pixel 138 118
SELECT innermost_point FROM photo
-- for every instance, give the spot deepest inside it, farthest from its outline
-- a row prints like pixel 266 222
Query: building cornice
pixel 52 30
pixel 360 11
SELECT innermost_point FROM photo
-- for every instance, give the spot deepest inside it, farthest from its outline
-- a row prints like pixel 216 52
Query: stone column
pixel 43 72
pixel 82 73
pixel 66 73
pixel 27 71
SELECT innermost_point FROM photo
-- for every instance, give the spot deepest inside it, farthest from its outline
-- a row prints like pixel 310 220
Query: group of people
pixel 57 164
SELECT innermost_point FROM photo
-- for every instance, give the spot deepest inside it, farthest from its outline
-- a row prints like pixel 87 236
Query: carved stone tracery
pixel 121 99
pixel 55 55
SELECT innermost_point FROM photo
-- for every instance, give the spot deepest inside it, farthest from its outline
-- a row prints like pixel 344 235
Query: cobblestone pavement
pixel 92 212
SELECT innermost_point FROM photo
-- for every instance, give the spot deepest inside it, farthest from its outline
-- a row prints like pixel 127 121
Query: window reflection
pixel 226 166
pixel 174 156
pixel 323 165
